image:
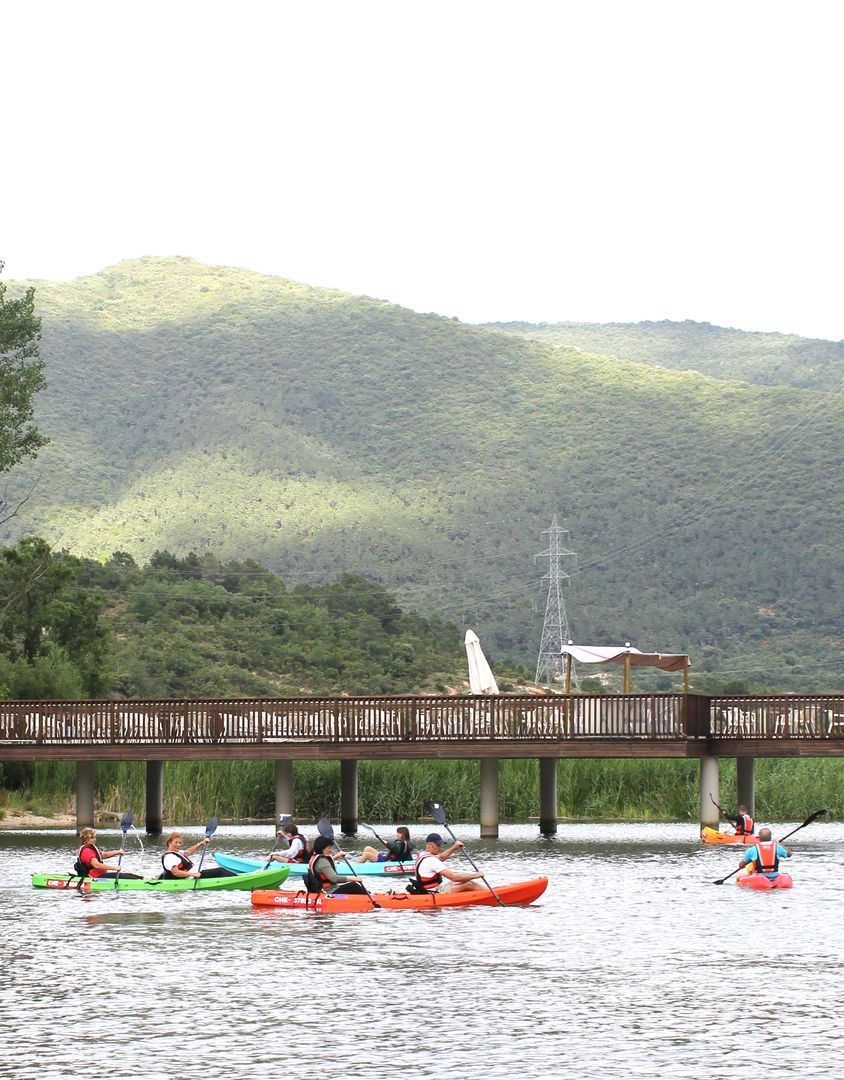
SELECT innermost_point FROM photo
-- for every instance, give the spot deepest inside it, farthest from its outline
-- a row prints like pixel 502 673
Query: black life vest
pixel 82 867
pixel 768 862
pixel 405 853
pixel 316 880
pixel 424 882
pixel 184 863
pixel 304 853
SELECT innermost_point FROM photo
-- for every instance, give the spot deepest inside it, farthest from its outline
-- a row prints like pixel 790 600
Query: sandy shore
pixel 23 819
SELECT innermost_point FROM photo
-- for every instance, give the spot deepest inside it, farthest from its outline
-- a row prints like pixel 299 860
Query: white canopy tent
pixel 481 679
pixel 627 655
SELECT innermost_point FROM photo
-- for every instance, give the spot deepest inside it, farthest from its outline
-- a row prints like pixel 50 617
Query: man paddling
pixel 430 869
pixel 743 822
pixel 764 857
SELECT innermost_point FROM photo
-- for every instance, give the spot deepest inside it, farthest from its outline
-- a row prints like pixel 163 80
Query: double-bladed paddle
pixel 808 821
pixel 363 825
pixel 326 829
pixel 283 819
pixel 126 823
pixel 210 829
pixel 438 814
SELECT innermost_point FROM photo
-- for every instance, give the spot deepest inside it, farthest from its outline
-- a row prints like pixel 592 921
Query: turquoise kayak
pixel 298 869
pixel 261 879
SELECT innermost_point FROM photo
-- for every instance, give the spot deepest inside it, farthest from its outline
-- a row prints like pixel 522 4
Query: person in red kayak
pixel 90 860
pixel 177 864
pixel 322 873
pixel 743 822
pixel 431 869
pixel 764 857
pixel 297 850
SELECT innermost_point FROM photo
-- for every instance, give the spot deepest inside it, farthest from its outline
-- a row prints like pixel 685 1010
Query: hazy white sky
pixel 592 160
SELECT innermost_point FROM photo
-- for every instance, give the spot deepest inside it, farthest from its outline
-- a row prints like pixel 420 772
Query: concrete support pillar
pixel 709 791
pixel 283 789
pixel 155 798
pixel 746 783
pixel 489 796
pixel 548 796
pixel 349 797
pixel 85 816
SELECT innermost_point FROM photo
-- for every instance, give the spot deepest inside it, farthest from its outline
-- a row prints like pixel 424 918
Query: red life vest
pixel 744 825
pixel 428 882
pixel 304 852
pixel 84 867
pixel 767 863
pixel 316 880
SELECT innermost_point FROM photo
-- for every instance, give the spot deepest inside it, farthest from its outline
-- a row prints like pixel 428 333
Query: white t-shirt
pixel 429 865
pixel 170 860
pixel 295 849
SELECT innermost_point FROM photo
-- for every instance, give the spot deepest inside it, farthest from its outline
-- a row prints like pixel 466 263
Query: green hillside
pixel 218 410
pixel 766 359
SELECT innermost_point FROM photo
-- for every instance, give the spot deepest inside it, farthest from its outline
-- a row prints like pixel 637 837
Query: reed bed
pixel 395 791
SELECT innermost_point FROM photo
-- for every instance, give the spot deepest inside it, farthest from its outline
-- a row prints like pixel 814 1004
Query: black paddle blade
pixel 127 821
pixel 325 828
pixel 434 810
pixel 211 827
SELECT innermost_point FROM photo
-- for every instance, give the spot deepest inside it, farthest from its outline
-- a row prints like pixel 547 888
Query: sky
pixel 599 160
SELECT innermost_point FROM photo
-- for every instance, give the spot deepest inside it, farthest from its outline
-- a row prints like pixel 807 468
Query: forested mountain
pixel 766 359
pixel 204 408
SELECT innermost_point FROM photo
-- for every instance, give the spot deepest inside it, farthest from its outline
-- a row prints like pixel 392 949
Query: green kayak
pixel 260 879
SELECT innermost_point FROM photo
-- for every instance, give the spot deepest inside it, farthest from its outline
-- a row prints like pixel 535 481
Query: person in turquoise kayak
pixel 764 857
pixel 398 850
pixel 297 850
pixel 90 860
pixel 430 869
pixel 322 873
pixel 177 863
pixel 742 822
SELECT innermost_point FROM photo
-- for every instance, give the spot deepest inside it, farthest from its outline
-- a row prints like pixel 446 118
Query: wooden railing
pixel 413 719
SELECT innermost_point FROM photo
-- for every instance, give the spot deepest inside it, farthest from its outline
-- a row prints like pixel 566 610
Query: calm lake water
pixel 633 964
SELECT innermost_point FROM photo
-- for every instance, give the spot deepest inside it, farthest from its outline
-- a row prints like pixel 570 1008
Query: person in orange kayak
pixel 297 850
pixel 177 864
pixel 430 869
pixel 90 860
pixel 322 873
pixel 743 822
pixel 764 857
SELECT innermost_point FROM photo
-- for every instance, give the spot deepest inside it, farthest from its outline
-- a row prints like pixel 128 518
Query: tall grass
pixel 641 789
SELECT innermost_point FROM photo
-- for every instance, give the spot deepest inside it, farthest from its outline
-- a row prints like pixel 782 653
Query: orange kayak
pixel 759 881
pixel 520 892
pixel 713 836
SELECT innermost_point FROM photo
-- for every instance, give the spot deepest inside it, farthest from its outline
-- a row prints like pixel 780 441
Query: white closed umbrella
pixel 481 679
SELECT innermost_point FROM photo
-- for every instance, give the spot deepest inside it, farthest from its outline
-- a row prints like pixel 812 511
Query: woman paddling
pixel 89 859
pixel 177 863
pixel 297 850
pixel 322 873
pixel 398 850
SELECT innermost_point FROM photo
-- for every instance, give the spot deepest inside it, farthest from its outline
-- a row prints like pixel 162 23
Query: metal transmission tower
pixel 555 631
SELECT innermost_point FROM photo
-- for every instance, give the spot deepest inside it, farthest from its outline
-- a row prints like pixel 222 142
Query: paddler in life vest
pixel 764 857
pixel 297 850
pixel 322 874
pixel 398 850
pixel 90 860
pixel 177 864
pixel 743 822
pixel 431 869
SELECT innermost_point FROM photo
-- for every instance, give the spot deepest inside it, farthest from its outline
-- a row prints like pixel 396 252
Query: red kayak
pixel 759 881
pixel 520 892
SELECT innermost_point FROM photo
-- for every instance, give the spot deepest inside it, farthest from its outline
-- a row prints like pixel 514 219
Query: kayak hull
pixel 266 879
pixel 243 866
pixel 759 881
pixel 714 836
pixel 519 893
